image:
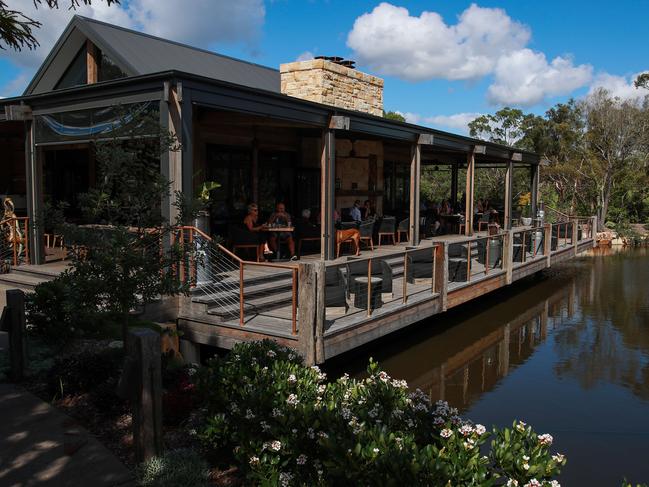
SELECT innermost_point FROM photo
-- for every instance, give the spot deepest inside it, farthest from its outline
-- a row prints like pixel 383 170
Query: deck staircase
pixel 26 277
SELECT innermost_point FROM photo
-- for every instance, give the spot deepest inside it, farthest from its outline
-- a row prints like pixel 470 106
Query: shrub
pixel 284 425
pixel 175 468
pixel 86 372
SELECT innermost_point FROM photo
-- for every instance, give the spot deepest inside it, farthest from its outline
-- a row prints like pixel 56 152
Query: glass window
pixel 77 72
pixel 109 70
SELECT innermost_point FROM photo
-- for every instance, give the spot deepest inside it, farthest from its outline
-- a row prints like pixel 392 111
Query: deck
pixel 323 320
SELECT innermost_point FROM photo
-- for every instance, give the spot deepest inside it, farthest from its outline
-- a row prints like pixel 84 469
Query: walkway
pixel 40 446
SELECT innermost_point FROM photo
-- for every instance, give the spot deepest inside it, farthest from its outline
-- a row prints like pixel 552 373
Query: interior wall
pixel 359 173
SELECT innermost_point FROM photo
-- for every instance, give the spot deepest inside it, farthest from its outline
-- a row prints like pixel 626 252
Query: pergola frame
pixel 179 93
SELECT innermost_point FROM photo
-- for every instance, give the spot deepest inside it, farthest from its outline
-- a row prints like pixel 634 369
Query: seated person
pixel 304 228
pixel 355 211
pixel 282 218
pixel 367 210
pixel 250 222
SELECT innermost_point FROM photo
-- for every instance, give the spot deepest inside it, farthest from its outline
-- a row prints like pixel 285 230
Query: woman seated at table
pixel 283 219
pixel 446 208
pixel 256 234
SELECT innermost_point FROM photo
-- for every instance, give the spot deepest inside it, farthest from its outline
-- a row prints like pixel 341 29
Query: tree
pixel 394 116
pixel 642 81
pixel 17 29
pixel 614 136
pixel 508 126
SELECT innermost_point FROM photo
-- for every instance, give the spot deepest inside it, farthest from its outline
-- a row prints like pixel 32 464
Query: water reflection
pixel 567 351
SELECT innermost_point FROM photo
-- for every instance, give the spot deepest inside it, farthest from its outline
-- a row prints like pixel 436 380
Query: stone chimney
pixel 332 83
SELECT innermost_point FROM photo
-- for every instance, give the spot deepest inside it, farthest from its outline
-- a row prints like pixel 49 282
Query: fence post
pixel 575 234
pixel 441 274
pixel 547 243
pixel 321 276
pixel 17 344
pixel 144 348
pixel 508 255
pixel 307 311
pixel 593 230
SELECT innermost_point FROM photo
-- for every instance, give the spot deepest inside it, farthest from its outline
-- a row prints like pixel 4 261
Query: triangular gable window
pixel 109 70
pixel 77 72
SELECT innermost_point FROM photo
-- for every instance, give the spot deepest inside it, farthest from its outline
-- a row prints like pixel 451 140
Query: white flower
pixel 526 458
pixel 533 483
pixel 271 354
pixel 466 430
pixel 234 408
pixel 555 483
pixel 545 439
pixel 468 445
pixel 558 458
pixel 275 445
pixel 480 430
pixel 438 421
pixel 292 400
pixel 322 388
pixel 322 434
pixel 345 413
pixel 276 413
pixel 446 433
pixel 512 483
pixel 285 479
pixel 384 376
pixel 400 384
pixel 291 356
pixel 375 450
pixel 310 433
pixel 521 426
pixel 526 466
pixel 264 426
pixel 292 379
pixel 249 414
pixel 301 460
pixel 254 460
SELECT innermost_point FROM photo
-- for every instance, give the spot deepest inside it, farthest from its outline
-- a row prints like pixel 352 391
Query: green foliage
pixel 391 115
pixel 508 126
pixel 85 371
pixel 183 467
pixel 283 424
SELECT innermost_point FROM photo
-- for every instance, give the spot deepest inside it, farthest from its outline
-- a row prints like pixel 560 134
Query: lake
pixel 566 351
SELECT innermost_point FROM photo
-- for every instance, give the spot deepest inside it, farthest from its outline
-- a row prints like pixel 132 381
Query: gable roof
pixel 139 54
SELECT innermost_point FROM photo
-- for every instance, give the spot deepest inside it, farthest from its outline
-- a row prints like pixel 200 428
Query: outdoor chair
pixel 420 266
pixel 404 227
pixel 358 268
pixel 335 292
pixel 347 232
pixel 484 221
pixel 366 228
pixel 306 232
pixel 495 252
pixel 457 264
pixel 243 239
pixel 387 228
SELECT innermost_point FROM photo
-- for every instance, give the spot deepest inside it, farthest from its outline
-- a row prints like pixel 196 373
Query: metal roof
pixel 139 54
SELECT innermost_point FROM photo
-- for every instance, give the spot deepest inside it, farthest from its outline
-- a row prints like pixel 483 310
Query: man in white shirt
pixel 355 211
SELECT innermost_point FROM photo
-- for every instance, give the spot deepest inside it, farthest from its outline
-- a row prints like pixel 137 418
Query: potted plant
pixel 526 217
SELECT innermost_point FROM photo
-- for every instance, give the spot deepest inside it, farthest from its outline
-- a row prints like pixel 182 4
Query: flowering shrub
pixel 283 424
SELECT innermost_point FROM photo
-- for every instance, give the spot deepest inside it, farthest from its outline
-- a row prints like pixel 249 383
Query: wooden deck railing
pixel 188 268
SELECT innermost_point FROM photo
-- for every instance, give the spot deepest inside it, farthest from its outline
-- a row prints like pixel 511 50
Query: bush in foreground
pixel 283 424
pixel 174 469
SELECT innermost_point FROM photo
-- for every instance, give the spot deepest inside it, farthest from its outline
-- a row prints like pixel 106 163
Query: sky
pixel 444 62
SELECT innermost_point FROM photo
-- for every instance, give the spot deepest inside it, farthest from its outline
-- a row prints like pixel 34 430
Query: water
pixel 566 351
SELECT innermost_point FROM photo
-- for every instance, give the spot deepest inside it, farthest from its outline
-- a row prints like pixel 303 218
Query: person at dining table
pixel 282 218
pixel 256 235
pixel 355 211
pixel 446 208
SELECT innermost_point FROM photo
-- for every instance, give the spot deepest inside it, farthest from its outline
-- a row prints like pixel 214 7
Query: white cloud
pixel 458 122
pixel 204 24
pixel 618 86
pixel 526 78
pixel 392 42
pixel 305 56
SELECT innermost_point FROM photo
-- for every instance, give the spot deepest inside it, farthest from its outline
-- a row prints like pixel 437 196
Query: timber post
pixel 17 336
pixel 508 255
pixel 307 311
pixel 593 230
pixel 575 234
pixel 547 243
pixel 145 390
pixel 441 274
pixel 320 271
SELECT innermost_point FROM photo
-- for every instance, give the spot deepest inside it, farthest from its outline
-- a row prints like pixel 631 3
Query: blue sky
pixel 443 62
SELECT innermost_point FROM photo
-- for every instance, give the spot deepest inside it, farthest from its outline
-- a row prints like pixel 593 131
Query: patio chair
pixel 358 268
pixel 387 228
pixel 484 221
pixel 457 264
pixel 335 292
pixel 404 227
pixel 420 266
pixel 242 239
pixel 367 232
pixel 306 232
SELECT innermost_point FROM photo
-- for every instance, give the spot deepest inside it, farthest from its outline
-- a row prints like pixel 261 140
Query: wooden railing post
pixel 405 277
pixel 321 307
pixel 369 287
pixel 241 295
pixel 294 281
pixel 593 230
pixel 308 311
pixel 575 234
pixel 486 257
pixel 17 335
pixel 144 349
pixel 508 255
pixel 441 273
pixel 547 243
